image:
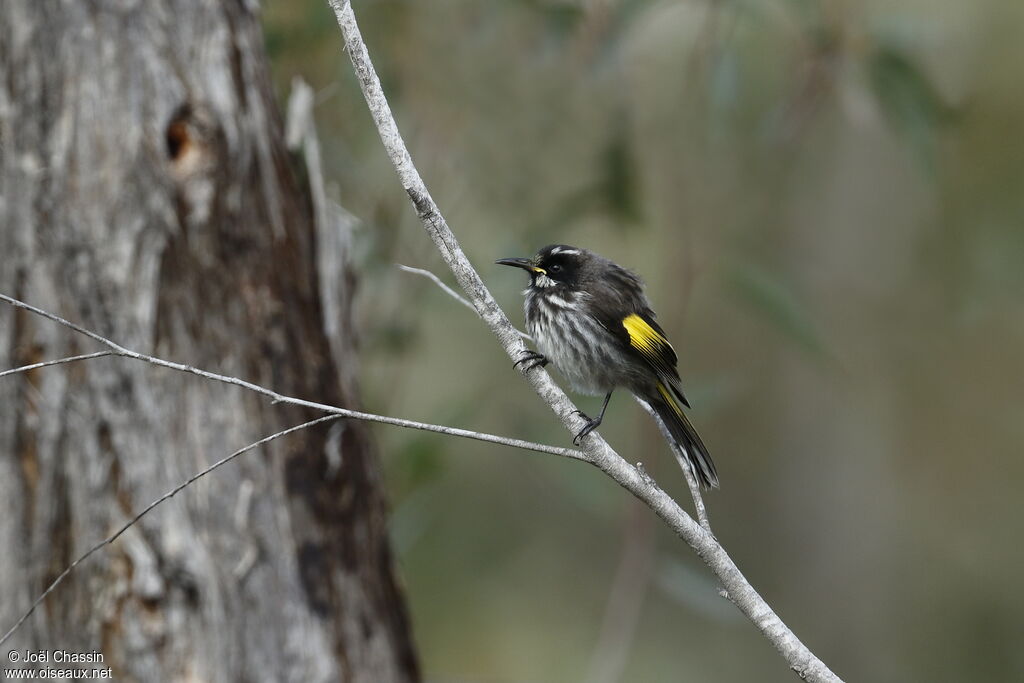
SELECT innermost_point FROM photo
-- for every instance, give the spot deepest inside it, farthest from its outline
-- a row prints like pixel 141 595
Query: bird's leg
pixel 592 423
pixel 533 359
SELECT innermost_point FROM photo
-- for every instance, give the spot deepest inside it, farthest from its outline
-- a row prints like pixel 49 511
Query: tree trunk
pixel 145 192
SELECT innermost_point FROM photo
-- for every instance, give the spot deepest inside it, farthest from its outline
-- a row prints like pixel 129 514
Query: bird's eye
pixel 556 268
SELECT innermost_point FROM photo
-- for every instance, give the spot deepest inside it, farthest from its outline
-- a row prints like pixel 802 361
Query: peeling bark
pixel 145 192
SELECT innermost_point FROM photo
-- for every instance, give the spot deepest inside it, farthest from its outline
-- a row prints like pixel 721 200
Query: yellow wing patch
pixel 650 343
pixel 643 337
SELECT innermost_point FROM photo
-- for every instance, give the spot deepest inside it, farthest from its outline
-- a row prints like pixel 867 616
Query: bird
pixel 591 319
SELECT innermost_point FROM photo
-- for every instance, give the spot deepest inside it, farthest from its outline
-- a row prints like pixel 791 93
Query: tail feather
pixel 685 437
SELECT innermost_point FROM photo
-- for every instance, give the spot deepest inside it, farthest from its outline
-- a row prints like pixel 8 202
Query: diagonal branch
pixel 118 350
pixel 598 452
pixel 334 413
pixel 170 494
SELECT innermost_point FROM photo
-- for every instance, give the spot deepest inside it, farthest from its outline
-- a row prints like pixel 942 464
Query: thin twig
pixel 58 361
pixel 804 662
pixel 437 281
pixel 334 414
pixel 113 537
pixel 118 350
pixel 684 465
pixel 450 292
pixel 691 483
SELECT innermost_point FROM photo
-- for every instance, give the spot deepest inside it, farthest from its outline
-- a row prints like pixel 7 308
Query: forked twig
pixel 118 350
pixel 334 413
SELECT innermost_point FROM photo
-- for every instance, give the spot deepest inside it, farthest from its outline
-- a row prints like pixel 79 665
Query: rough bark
pixel 145 192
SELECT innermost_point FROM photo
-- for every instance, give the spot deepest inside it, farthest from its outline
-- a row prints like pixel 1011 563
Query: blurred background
pixel 825 200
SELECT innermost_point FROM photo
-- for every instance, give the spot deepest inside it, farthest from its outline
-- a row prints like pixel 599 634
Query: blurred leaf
pixel 725 82
pixel 779 306
pixel 293 27
pixel 624 15
pixel 412 516
pixel 991 255
pixel 615 192
pixel 393 336
pixel 560 18
pixel 619 187
pixel 590 493
pixel 808 9
pixel 420 461
pixel 567 211
pixel 910 101
pixel 563 19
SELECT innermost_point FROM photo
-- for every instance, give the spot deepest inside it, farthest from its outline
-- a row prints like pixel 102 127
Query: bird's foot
pixel 532 360
pixel 592 424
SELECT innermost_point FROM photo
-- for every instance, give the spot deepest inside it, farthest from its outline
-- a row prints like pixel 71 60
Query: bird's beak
pixel 524 263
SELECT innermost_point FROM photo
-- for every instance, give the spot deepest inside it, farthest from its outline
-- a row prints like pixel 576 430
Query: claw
pixel 592 424
pixel 533 359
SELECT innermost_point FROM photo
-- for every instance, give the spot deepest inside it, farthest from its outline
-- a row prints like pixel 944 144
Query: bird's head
pixel 556 265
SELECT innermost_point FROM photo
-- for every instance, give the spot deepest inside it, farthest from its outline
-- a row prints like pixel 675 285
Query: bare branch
pixel 334 414
pixel 437 281
pixel 450 292
pixel 597 451
pixel 691 483
pixel 684 465
pixel 113 537
pixel 118 350
pixel 58 361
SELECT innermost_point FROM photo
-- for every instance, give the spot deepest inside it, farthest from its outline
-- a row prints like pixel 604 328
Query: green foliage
pixel 614 192
pixel 910 101
pixel 421 461
pixel 560 18
pixel 619 185
pixel 767 295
